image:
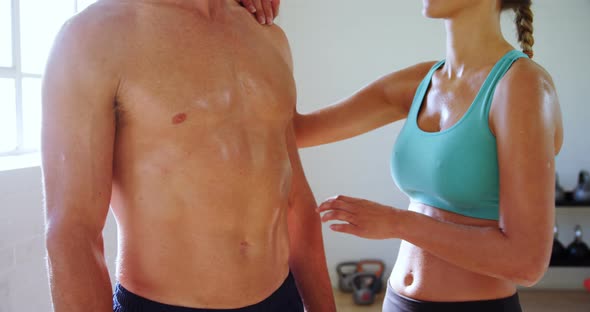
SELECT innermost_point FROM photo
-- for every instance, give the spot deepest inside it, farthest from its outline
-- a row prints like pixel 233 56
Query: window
pixel 27 30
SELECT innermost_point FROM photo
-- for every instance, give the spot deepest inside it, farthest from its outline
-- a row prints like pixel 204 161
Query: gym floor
pixel 532 301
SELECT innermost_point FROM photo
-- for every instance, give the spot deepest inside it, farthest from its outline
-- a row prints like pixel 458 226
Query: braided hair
pixel 524 23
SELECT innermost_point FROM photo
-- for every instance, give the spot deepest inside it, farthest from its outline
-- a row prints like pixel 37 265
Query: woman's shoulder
pixel 412 74
pixel 527 76
pixel 526 93
pixel 400 86
pixel 526 84
pixel 526 103
pixel 421 69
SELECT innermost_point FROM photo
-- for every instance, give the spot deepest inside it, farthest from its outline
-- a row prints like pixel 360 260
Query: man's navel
pixel 244 247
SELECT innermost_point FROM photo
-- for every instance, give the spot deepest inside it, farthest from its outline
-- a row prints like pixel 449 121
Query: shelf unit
pixel 568 277
pixel 568 201
pixel 580 209
pixel 572 205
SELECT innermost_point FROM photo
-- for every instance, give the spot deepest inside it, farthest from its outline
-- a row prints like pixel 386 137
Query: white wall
pixel 23 277
pixel 338 47
pixel 22 272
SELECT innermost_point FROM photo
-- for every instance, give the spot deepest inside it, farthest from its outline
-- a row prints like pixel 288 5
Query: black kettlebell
pixel 364 286
pixel 346 271
pixel 376 267
pixel 559 192
pixel 582 191
pixel 578 253
pixel 558 253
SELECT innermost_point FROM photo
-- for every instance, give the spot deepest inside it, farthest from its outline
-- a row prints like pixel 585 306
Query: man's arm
pixel 77 150
pixel 307 258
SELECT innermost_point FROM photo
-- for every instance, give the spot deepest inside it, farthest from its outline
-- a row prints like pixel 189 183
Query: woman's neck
pixel 473 40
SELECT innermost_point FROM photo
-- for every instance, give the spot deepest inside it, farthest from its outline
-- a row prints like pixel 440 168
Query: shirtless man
pixel 177 113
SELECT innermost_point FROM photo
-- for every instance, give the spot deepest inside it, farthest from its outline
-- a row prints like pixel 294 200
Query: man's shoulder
pixel 101 25
pixel 279 39
pixel 278 35
pixel 92 42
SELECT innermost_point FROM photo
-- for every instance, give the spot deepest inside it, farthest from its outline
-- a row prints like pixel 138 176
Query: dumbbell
pixel 364 286
pixel 582 191
pixel 559 192
pixel 376 267
pixel 578 253
pixel 558 253
pixel 346 271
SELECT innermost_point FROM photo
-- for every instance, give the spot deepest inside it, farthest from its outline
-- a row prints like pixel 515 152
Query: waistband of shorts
pixel 508 304
pixel 130 302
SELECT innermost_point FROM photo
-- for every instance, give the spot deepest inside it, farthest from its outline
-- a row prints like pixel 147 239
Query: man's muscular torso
pixel 201 171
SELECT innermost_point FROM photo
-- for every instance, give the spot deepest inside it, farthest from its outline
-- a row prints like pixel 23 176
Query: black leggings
pixel 284 299
pixel 397 303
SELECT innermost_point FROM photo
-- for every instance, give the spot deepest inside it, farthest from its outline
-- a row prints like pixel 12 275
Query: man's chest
pixel 215 76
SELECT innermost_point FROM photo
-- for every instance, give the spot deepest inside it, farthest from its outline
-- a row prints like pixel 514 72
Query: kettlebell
pixel 578 253
pixel 559 192
pixel 364 288
pixel 345 271
pixel 582 192
pixel 376 267
pixel 558 253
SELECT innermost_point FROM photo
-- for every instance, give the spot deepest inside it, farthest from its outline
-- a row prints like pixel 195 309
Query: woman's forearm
pixel 478 249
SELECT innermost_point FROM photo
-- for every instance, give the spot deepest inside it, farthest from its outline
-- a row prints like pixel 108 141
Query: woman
pixel 476 157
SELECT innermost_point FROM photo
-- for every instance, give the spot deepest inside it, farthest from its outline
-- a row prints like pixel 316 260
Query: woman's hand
pixel 265 10
pixel 362 218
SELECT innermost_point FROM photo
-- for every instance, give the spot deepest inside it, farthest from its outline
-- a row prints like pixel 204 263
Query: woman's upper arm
pixel 526 120
pixel 379 103
pixel 78 129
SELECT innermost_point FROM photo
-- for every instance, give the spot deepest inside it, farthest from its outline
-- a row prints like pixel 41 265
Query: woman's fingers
pixel 268 11
pixel 346 199
pixel 345 228
pixel 361 217
pixel 249 4
pixel 338 215
pixel 264 10
pixel 259 11
pixel 337 204
pixel 349 199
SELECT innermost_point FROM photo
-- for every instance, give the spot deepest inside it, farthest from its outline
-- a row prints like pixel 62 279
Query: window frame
pixel 15 72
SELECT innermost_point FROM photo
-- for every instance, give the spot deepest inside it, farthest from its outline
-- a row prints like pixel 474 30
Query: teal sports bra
pixel 455 169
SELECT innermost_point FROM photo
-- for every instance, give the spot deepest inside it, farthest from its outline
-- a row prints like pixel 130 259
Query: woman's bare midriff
pixel 420 275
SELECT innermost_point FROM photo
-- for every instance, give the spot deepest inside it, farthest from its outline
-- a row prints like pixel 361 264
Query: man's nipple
pixel 179 118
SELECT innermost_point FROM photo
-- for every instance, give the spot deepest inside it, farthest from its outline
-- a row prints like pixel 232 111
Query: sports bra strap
pixel 497 73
